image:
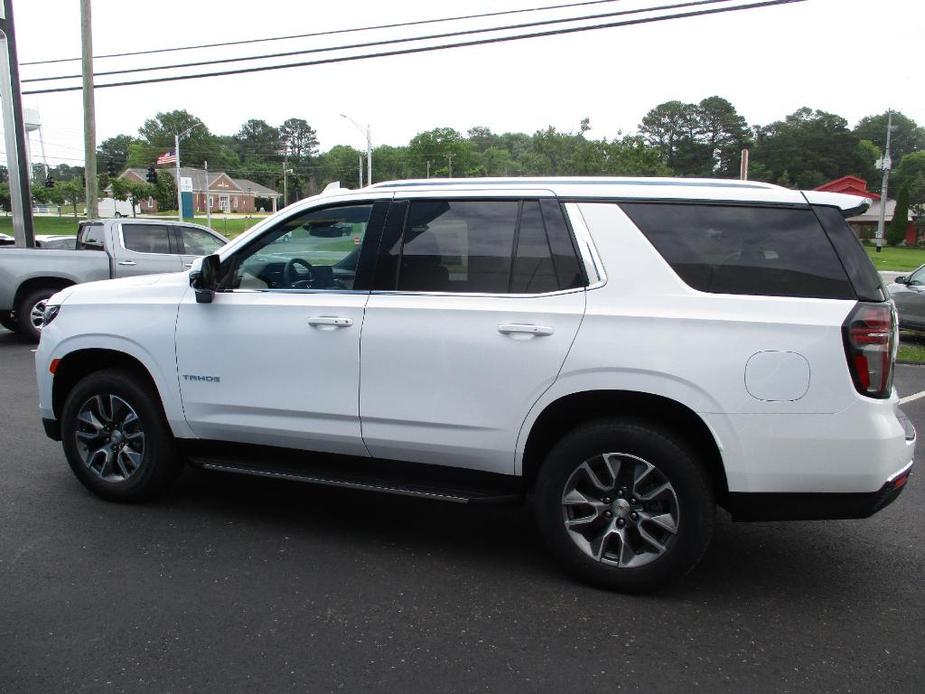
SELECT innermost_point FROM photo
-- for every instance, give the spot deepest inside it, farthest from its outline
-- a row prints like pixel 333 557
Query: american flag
pixel 167 158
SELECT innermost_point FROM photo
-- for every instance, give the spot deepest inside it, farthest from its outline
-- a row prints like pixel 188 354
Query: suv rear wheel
pixel 624 504
pixel 116 439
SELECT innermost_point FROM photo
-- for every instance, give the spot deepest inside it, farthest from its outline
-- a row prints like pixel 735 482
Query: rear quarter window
pixel 737 249
pixel 861 271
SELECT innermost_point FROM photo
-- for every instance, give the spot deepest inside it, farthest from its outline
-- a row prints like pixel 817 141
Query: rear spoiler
pixel 850 205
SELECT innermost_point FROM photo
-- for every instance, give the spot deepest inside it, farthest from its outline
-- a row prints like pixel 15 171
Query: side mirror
pixel 206 280
pixel 902 279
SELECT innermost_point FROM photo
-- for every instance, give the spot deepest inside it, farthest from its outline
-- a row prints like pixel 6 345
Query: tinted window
pixel 569 269
pixel 199 242
pixel 744 250
pixel 91 237
pixel 861 271
pixel 317 249
pixel 146 238
pixel 458 246
pixel 533 271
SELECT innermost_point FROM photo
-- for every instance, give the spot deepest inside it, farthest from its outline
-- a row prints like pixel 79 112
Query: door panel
pixel 282 379
pixel 275 358
pixel 449 379
pixel 143 249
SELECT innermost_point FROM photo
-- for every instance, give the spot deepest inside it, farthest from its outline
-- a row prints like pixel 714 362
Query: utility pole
pixel 884 163
pixel 86 61
pixel 286 176
pixel 743 165
pixel 449 164
pixel 14 132
pixel 360 174
pixel 208 197
pixel 369 148
pixel 428 168
pixel 176 150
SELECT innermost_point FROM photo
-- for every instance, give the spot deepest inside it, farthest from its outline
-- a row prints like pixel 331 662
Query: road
pixel 238 584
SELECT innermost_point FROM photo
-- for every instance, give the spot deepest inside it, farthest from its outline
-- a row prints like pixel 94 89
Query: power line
pixel 385 42
pixel 327 33
pixel 425 49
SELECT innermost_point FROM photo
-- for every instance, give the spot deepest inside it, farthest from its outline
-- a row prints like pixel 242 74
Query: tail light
pixel 870 336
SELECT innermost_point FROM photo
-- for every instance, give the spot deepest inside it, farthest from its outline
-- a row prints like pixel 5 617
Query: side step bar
pixel 388 477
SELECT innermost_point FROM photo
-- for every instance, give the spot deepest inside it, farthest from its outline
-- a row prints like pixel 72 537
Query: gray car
pixel 908 292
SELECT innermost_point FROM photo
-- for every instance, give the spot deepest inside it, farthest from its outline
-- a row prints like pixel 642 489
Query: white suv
pixel 626 354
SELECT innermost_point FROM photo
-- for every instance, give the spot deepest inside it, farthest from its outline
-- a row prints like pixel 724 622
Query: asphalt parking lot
pixel 239 584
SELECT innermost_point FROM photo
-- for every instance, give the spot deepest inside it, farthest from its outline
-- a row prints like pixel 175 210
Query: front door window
pixel 318 249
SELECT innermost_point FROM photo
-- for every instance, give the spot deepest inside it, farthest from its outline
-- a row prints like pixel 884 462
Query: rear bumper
pixel 770 506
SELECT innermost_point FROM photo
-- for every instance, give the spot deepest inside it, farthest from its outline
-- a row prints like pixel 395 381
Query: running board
pixel 388 477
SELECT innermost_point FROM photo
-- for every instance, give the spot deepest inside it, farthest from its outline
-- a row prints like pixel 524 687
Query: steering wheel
pixel 293 279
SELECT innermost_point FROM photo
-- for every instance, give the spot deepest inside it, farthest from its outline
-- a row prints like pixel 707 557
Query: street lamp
pixel 176 151
pixel 369 148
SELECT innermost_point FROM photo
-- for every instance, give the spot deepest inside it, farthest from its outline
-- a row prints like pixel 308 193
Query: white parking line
pixel 910 398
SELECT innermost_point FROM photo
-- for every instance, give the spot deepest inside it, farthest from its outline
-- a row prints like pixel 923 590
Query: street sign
pixel 186 184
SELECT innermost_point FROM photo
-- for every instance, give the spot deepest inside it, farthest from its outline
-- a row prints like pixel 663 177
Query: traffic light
pixel 49 181
pixel 111 168
pixel 152 174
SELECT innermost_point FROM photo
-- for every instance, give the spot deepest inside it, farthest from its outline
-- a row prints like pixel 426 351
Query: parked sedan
pixel 908 292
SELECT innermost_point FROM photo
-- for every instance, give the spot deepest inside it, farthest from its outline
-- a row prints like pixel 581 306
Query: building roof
pixel 242 185
pixel 853 185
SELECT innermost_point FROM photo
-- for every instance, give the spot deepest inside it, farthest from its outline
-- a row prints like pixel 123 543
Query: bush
pixel 896 231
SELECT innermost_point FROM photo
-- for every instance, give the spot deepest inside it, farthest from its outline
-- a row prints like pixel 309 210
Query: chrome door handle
pixel 127 262
pixel 524 328
pixel 333 321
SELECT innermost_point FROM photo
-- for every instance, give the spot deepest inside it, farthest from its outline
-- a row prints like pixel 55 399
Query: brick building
pixel 221 193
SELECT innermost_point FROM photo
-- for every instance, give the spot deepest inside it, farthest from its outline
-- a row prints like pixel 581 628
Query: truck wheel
pixel 624 505
pixel 30 312
pixel 116 438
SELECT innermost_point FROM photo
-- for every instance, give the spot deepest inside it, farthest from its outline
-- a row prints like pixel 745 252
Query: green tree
pixel 907 137
pixel 910 168
pixel 132 190
pixel 724 133
pixel 807 149
pixel 896 231
pixel 445 148
pixel 70 191
pixel 666 127
pixel 114 151
pixel 257 139
pixel 300 138
pixel 197 147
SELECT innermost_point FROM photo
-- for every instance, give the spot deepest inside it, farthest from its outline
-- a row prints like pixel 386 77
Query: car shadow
pixel 745 561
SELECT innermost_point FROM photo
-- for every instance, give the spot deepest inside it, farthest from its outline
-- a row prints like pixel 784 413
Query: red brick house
pixel 865 225
pixel 222 194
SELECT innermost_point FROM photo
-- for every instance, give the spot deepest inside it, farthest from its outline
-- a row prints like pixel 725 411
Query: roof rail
pixel 570 180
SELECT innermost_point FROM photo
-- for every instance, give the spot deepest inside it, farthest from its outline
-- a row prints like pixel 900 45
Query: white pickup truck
pixel 103 249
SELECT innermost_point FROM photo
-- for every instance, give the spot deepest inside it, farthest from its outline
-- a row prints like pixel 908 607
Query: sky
pixel 768 62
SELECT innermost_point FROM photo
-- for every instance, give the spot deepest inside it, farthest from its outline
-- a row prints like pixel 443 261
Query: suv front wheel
pixel 116 438
pixel 624 504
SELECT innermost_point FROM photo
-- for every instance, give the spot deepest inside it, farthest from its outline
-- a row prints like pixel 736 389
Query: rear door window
pixel 146 238
pixel 479 246
pixel 738 249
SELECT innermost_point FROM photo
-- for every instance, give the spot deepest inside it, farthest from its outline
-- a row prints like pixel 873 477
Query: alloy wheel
pixel 110 437
pixel 620 510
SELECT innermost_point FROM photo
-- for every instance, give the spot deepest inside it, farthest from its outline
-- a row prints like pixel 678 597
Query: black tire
pixel 160 463
pixel 641 443
pixel 24 309
pixel 6 320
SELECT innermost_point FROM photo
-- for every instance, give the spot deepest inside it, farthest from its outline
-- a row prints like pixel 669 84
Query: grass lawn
pixel 898 259
pixel 66 224
pixel 911 347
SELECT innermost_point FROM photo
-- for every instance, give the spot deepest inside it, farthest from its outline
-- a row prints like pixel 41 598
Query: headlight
pixel 51 312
